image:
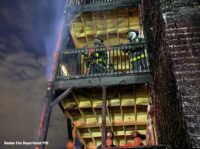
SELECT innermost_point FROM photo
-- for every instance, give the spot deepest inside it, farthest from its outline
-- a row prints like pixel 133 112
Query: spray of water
pixel 52 51
pixel 56 53
pixel 53 58
pixel 52 47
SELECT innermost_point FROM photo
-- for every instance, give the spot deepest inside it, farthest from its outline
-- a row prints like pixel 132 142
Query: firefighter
pixel 109 140
pixel 137 139
pixel 70 144
pixel 97 59
pixel 136 53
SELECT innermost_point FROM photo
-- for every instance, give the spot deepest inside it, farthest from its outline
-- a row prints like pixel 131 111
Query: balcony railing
pixel 103 61
pixel 77 6
pixel 82 2
pixel 86 2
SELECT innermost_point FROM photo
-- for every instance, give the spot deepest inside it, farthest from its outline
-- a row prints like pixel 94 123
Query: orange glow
pixel 41 120
pixel 70 145
pixel 42 117
pixel 56 54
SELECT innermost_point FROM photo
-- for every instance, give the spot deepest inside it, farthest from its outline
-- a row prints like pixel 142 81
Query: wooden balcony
pixel 78 68
pixel 126 112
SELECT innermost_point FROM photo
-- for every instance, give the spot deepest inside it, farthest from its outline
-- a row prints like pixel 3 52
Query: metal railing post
pixel 118 60
pixel 103 139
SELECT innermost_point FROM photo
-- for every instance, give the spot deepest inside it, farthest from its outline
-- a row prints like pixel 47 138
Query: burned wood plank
pixel 103 81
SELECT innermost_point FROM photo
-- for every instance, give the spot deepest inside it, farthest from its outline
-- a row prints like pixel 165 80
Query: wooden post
pixel 103 139
pixel 45 119
pixel 61 97
pixel 46 114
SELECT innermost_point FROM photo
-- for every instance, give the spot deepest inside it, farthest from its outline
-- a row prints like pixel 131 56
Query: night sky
pixel 28 36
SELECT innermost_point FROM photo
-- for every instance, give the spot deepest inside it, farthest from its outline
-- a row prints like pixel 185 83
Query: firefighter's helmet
pixel 109 134
pixel 135 134
pixel 131 34
pixel 98 40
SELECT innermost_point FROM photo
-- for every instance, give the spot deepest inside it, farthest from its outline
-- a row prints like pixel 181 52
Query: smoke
pixel 31 26
pixel 28 38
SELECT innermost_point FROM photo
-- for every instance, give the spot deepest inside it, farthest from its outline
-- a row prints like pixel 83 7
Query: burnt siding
pixel 167 106
pixel 175 43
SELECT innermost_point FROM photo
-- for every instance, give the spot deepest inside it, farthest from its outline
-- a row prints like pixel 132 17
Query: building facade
pixel 111 86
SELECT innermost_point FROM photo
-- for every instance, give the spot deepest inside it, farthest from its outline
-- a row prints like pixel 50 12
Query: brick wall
pixel 183 39
pixel 174 42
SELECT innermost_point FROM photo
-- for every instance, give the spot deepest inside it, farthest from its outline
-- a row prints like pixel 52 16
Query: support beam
pixel 61 97
pixel 110 118
pixel 127 79
pixel 122 113
pixel 103 139
pixel 113 124
pixel 84 117
pixel 94 112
